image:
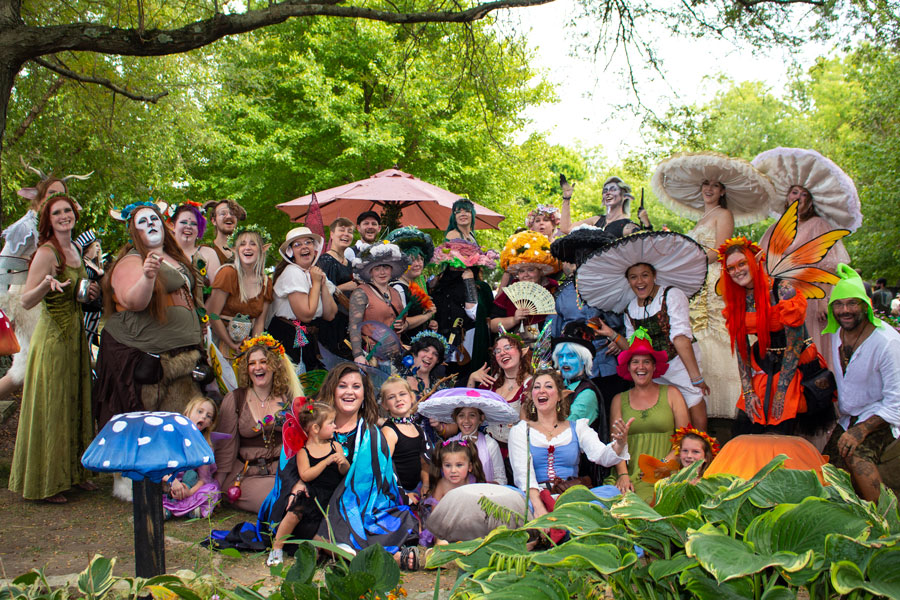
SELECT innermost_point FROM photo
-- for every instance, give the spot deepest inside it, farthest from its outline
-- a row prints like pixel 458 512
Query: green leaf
pixel 26 578
pixel 477 553
pixel 678 497
pixel 183 592
pixel 304 566
pixel 577 493
pixel 779 592
pixel 536 586
pixel 97 578
pixel 783 486
pixel 295 590
pixel 803 527
pixel 704 587
pixel 882 576
pixel 576 517
pixel 232 552
pixel 603 558
pixel 351 586
pixel 376 561
pixel 728 558
pixel 662 568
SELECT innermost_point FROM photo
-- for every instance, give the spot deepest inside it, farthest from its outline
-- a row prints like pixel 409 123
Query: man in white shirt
pixel 867 351
pixel 368 224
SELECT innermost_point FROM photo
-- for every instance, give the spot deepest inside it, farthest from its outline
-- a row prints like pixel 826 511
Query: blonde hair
pixel 258 268
pixel 194 403
pixel 392 380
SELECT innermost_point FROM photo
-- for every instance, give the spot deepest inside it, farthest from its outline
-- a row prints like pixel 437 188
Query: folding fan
pixel 531 297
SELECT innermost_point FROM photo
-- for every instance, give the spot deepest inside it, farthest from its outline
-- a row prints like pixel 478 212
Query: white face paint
pixel 150 225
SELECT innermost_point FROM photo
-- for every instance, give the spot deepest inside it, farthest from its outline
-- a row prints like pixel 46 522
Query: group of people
pixel 605 342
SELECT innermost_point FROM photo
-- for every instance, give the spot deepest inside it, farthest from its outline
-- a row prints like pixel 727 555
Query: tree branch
pixel 99 81
pixel 36 110
pixel 29 41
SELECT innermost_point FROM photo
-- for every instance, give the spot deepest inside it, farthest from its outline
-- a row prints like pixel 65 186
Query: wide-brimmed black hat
pixel 580 243
pixel 577 332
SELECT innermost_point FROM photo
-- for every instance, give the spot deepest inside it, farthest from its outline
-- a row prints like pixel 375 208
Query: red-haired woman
pixel 55 424
pixel 771 370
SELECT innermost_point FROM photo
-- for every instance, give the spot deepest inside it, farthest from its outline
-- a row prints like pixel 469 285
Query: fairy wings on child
pixel 798 266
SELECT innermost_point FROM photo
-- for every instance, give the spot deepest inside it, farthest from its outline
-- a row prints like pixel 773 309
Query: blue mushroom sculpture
pixel 145 446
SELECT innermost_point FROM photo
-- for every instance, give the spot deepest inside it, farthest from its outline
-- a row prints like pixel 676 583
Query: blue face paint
pixel 570 364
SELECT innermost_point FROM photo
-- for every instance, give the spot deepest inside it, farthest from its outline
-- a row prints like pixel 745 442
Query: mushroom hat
pixel 441 404
pixel 413 241
pixel 380 253
pixel 528 248
pixel 678 260
pixel 147 445
pixel 579 243
pixel 677 180
pixel 833 193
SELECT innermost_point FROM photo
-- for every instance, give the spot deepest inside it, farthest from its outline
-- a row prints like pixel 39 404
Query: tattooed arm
pixel 790 359
pixel 358 304
pixel 752 404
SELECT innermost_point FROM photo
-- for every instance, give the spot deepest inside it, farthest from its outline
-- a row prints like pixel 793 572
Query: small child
pixel 695 448
pixel 689 445
pixel 321 466
pixel 194 492
pixel 456 464
pixel 405 439
pixel 469 419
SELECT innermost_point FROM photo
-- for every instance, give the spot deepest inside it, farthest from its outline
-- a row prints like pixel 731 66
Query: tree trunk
pixel 8 71
pixel 149 533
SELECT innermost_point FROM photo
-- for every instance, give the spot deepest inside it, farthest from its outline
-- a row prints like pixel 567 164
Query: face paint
pixel 570 364
pixel 150 225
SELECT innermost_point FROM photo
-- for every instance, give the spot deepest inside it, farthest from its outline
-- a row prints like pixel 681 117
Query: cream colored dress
pixel 719 368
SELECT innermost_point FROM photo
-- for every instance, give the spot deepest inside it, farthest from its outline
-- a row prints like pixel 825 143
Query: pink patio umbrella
pixel 424 205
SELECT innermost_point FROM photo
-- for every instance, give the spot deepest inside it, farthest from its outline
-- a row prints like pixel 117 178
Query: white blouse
pixel 588 441
pixel 871 385
pixel 292 280
pixel 678 308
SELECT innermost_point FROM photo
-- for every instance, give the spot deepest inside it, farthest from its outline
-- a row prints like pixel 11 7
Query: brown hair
pixel 707 450
pixel 562 405
pixel 281 387
pixel 340 222
pixel 45 229
pixel 368 409
pixel 450 447
pixel 239 213
pixel 525 368
pixel 315 413
pixel 43 185
pixel 157 304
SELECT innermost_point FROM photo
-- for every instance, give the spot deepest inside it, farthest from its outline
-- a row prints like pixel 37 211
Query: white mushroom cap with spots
pixel 148 445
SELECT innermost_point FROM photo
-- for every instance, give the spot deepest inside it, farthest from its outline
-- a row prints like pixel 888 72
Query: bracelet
pixel 616 339
pixel 621 474
pixel 697 382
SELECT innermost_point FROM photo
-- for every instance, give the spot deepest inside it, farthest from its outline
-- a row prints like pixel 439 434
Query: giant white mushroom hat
pixel 441 404
pixel 148 445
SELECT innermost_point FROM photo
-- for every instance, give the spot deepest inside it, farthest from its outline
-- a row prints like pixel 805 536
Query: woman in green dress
pixel 55 425
pixel 658 410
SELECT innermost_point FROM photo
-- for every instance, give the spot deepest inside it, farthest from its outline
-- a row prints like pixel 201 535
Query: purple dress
pixel 204 498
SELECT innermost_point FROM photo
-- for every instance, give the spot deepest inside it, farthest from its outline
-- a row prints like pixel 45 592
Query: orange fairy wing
pixel 720 285
pixel 783 235
pixel 804 280
pixel 809 253
pixel 651 467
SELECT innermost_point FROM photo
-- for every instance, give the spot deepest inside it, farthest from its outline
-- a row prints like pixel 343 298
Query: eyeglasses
pixel 848 303
pixel 499 351
pixel 301 243
pixel 732 269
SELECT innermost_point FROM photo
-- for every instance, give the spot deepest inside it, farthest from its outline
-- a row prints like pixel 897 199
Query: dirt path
pixel 61 539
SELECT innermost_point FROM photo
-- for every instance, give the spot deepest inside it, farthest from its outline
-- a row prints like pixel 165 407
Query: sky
pixel 589 91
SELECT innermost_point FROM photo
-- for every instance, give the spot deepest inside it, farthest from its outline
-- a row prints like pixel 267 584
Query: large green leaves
pixel 882 575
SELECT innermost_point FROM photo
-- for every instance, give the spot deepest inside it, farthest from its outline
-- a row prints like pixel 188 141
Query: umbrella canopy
pixel 424 205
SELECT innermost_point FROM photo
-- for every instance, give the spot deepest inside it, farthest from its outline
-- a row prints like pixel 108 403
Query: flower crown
pixel 432 334
pixel 126 213
pixel 264 339
pixel 737 242
pixel 544 209
pixel 250 228
pixel 683 431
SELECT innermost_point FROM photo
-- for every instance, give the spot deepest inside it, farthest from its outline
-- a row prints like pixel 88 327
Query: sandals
pixel 56 499
pixel 276 557
pixel 409 558
pixel 87 486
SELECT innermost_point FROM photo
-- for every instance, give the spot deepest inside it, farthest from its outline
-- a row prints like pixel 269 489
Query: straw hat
pixel 287 253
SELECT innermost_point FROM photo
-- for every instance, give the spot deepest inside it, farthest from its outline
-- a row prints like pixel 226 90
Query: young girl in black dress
pixel 404 438
pixel 321 465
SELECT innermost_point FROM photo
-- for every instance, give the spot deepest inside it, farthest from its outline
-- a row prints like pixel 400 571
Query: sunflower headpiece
pixel 265 340
pixel 688 429
pixel 250 227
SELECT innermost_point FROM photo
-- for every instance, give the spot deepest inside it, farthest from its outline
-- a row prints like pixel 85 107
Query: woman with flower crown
pixel 253 415
pixel 240 298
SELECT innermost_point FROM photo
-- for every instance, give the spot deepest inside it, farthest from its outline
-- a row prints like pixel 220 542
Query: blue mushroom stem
pixel 149 532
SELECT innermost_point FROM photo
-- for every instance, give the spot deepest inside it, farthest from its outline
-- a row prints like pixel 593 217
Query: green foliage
pixel 769 537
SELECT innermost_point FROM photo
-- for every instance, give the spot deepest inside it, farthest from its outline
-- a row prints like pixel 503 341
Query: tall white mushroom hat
pixel 148 445
pixel 441 404
pixel 833 192
pixel 677 180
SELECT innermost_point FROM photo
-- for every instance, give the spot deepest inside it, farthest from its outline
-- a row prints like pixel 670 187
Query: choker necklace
pixel 386 296
pixel 401 420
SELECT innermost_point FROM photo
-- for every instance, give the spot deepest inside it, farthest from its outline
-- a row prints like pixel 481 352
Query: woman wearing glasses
pixel 509 374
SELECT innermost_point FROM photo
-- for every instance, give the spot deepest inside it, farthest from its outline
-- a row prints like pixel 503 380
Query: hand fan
pixel 532 297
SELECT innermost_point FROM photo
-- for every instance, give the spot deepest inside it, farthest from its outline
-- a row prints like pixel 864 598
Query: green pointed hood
pixel 850 286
